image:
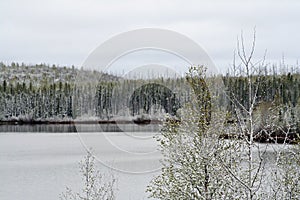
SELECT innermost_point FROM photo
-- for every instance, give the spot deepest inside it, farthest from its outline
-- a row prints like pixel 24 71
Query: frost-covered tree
pixel 259 166
pixel 285 174
pixel 249 173
pixel 96 185
pixel 199 164
pixel 191 169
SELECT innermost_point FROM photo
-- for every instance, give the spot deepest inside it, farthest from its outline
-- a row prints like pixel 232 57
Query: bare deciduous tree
pixel 199 164
pixel 96 185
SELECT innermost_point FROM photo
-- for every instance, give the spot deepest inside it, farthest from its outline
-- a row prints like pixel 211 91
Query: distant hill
pixel 40 74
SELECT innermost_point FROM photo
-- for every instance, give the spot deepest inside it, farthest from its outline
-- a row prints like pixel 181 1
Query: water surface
pixel 40 166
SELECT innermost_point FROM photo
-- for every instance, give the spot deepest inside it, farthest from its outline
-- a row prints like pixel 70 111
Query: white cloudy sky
pixel 65 31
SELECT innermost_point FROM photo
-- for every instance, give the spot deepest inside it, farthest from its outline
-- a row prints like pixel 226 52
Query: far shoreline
pixel 87 122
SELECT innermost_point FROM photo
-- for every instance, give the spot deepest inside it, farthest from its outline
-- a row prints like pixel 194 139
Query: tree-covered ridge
pixel 69 93
pixel 43 74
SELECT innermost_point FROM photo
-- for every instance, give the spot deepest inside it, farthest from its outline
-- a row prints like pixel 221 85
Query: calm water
pixel 67 128
pixel 40 166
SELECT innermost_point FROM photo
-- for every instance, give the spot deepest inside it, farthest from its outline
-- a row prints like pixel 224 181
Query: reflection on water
pixel 68 128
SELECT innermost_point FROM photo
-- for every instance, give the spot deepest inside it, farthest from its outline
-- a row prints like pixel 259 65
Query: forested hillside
pixel 41 92
pixel 277 101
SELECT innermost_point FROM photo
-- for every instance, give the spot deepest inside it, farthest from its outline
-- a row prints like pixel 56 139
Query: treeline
pixel 277 101
pixel 27 102
pixel 83 97
pixel 101 100
pixel 285 87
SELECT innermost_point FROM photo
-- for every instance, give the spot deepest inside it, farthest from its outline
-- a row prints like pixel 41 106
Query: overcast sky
pixel 65 32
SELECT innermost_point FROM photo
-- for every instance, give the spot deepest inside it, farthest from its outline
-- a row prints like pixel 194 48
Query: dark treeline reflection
pixel 69 128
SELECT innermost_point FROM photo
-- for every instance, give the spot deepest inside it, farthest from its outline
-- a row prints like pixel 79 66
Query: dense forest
pixel 42 92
